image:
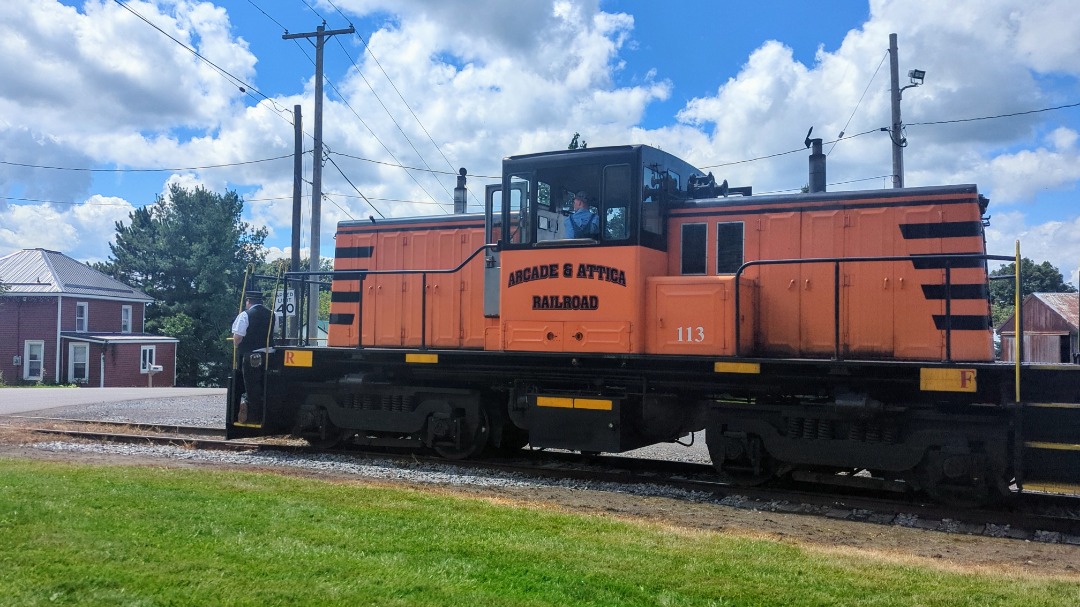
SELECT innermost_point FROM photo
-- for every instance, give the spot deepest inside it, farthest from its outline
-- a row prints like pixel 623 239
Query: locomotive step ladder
pixel 1050 454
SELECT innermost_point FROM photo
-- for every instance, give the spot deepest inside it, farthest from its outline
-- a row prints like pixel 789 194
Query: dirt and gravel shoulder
pixel 957 552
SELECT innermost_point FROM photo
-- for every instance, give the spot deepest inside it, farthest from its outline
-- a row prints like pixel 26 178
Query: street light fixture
pixel 916 77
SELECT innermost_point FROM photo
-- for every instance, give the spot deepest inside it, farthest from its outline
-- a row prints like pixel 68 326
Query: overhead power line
pixel 796 150
pixel 383 144
pixel 1024 113
pixel 830 184
pixel 259 8
pixel 843 130
pixel 161 170
pixel 494 177
pixel 936 122
pixel 312 9
pixel 345 101
pixel 244 87
pixel 84 203
pixel 402 97
pixel 400 166
pixel 355 188
pixel 392 119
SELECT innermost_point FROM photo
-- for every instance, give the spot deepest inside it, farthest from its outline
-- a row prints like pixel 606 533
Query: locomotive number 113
pixel 691 334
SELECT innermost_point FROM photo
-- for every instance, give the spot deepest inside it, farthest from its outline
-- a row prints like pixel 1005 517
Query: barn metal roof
pixel 44 272
pixel 1064 305
pixel 1067 305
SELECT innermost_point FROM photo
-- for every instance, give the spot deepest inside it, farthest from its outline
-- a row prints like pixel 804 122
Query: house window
pixel 125 319
pixel 78 363
pixel 147 358
pixel 729 247
pixel 82 313
pixel 34 360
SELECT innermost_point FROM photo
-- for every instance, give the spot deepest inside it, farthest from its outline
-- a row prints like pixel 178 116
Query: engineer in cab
pixel 582 222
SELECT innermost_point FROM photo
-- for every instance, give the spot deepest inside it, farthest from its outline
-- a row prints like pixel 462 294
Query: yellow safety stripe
pixel 595 404
pixel 1054 488
pixel 592 403
pixel 428 359
pixel 1053 405
pixel 1051 446
pixel 737 368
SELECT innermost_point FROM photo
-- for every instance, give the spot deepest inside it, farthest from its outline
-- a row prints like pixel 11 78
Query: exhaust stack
pixel 461 200
pixel 817 164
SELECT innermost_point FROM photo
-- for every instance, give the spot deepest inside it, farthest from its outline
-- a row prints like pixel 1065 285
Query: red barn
pixel 62 322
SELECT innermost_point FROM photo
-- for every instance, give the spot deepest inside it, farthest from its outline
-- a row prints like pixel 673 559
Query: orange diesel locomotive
pixel 815 334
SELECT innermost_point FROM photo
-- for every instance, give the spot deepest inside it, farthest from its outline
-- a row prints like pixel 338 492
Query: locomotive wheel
pixel 328 438
pixel 741 460
pixel 473 440
pixel 328 435
pixel 513 439
pixel 958 496
pixel 957 481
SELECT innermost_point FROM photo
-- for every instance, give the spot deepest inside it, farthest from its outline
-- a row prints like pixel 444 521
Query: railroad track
pixel 1032 516
pixel 142 427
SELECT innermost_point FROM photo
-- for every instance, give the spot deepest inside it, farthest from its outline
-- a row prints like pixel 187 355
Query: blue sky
pixel 91 86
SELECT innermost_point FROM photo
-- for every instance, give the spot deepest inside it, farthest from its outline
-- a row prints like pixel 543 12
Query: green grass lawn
pixel 100 535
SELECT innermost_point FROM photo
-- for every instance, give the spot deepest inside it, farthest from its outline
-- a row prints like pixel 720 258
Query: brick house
pixel 64 322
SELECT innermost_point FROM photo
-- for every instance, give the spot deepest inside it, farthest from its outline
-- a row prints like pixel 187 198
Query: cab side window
pixel 729 247
pixel 520 228
pixel 693 247
pixel 616 202
pixel 652 179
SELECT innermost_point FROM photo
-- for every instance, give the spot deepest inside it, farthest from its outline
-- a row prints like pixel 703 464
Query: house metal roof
pixel 44 272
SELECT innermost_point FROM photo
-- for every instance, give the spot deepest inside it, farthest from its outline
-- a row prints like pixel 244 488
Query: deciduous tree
pixel 1035 278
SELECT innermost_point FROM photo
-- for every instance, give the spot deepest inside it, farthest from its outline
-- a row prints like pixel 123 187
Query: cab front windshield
pixel 543 207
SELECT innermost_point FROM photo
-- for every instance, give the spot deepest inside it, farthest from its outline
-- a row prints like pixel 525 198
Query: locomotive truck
pixel 830 337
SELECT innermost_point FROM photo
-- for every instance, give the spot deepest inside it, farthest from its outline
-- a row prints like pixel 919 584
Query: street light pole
pixel 895 132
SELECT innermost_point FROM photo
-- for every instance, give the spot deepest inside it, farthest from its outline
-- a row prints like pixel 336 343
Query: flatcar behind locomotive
pixel 816 335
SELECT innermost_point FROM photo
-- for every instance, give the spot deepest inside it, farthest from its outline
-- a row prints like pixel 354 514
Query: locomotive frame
pixel 881 363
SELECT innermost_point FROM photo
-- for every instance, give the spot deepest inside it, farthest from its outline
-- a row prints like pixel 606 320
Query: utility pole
pixel 894 134
pixel 897 129
pixel 320 35
pixel 298 177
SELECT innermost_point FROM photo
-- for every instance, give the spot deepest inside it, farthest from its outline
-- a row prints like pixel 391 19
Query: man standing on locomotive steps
pixel 252 329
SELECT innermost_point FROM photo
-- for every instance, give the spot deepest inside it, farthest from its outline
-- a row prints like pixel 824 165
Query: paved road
pixel 21 400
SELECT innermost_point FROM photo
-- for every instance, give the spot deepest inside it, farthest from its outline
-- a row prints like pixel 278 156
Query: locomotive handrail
pixel 948 258
pixel 362 275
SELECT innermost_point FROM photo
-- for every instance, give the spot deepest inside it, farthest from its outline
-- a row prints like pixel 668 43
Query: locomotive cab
pixel 580 232
pixel 625 187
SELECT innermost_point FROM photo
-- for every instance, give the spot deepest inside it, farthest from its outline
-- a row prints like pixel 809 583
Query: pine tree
pixel 188 251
